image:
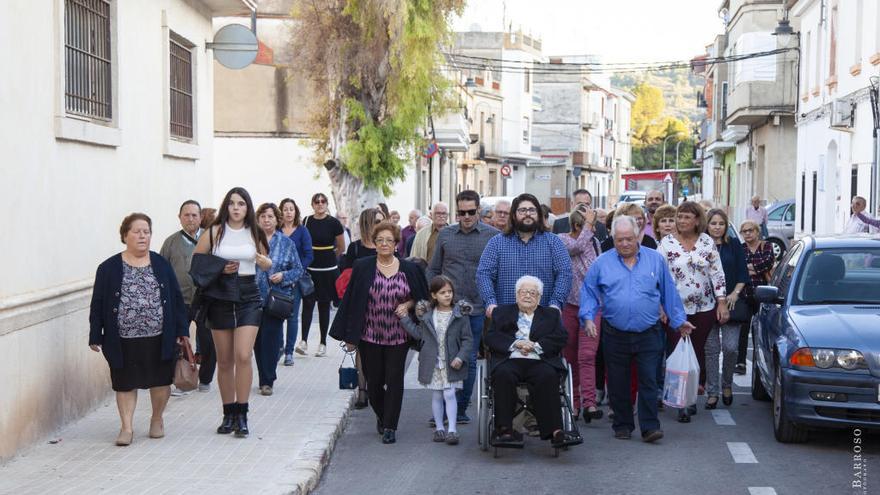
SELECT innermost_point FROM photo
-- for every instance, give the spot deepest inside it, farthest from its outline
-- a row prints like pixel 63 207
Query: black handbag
pixel 348 377
pixel 306 284
pixel 279 304
pixel 741 311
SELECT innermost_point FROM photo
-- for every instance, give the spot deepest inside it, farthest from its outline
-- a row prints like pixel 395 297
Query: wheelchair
pixel 485 406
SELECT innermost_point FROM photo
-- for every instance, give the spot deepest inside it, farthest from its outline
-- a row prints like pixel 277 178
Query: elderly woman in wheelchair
pixel 525 341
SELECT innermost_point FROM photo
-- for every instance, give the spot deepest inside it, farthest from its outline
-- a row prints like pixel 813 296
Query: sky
pixel 616 30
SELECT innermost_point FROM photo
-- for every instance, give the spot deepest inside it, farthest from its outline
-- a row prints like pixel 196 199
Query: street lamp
pixel 679 133
pixel 784 29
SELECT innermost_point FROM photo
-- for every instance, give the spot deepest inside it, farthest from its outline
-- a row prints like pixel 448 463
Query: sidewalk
pixel 292 435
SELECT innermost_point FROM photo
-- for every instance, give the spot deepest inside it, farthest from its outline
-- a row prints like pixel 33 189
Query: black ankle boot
pixel 229 411
pixel 241 426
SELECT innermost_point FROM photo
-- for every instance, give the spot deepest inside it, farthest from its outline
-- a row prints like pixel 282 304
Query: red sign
pixel 506 170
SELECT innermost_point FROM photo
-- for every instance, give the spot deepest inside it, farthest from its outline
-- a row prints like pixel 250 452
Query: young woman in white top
pixel 235 236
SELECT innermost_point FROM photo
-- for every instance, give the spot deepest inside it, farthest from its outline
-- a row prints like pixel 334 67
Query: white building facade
pixel 116 117
pixel 840 53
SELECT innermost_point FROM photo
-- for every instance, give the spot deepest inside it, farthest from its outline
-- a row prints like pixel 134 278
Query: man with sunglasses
pixel 456 255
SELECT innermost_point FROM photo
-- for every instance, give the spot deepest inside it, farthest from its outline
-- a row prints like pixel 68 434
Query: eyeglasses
pixel 385 241
pixel 441 214
pixel 502 213
pixel 527 211
pixel 319 202
pixel 467 213
pixel 528 292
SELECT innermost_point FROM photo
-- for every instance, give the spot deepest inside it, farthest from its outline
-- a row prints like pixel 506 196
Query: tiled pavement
pixel 292 435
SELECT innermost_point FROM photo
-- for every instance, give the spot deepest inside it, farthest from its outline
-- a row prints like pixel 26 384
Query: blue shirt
pixel 302 239
pixel 630 298
pixel 285 260
pixel 506 258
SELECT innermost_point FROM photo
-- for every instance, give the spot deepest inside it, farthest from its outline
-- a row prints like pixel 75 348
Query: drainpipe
pixel 874 93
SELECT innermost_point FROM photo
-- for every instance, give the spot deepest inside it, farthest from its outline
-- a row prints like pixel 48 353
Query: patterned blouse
pixel 583 251
pixel 382 326
pixel 698 274
pixel 762 260
pixel 140 303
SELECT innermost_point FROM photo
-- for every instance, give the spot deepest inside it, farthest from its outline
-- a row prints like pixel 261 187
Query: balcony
pixel 770 89
pixel 592 161
pixel 537 103
pixel 451 131
pixel 592 122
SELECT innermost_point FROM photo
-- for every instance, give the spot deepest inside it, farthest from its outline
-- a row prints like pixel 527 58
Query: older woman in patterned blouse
pixel 759 262
pixel 699 278
pixel 137 315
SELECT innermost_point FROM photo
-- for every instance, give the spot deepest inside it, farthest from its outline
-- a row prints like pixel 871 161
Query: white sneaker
pixel 204 387
pixel 322 351
pixel 176 392
pixel 302 347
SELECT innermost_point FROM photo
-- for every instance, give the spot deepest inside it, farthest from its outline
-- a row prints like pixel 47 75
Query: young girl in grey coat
pixel 444 331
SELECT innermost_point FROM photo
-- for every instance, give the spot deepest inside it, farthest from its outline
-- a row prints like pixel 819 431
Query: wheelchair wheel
pixel 483 407
pixel 567 401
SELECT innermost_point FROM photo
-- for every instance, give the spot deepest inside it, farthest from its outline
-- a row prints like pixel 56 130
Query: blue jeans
pixel 293 323
pixel 464 395
pixel 266 347
pixel 621 348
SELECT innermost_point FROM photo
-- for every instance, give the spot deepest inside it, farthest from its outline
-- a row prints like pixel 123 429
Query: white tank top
pixel 238 245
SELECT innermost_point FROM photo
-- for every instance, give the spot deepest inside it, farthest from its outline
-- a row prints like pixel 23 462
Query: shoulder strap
pixel 211 236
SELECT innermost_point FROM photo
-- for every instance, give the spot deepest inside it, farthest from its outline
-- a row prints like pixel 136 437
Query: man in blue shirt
pixel 630 284
pixel 527 249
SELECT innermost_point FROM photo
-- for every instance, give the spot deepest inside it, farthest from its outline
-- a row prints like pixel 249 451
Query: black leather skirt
pixel 226 315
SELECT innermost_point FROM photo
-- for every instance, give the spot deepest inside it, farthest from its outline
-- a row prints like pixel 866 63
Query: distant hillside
pixel 679 90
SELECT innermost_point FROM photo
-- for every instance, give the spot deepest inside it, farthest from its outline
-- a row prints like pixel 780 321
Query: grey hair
pixel 624 219
pixel 502 202
pixel 528 279
pixel 423 222
pixel 417 212
pixel 485 210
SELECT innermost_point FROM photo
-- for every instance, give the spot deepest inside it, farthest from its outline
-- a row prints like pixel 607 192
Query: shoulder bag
pixel 741 311
pixel 186 371
pixel 279 304
pixel 348 377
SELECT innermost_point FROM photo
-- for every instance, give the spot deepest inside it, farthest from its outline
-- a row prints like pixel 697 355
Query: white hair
pixel 423 222
pixel 439 203
pixel 624 219
pixel 502 202
pixel 417 212
pixel 528 279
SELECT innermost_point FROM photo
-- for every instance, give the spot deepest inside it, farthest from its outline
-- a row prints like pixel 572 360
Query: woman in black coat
pixel 526 342
pixel 382 289
pixel 137 315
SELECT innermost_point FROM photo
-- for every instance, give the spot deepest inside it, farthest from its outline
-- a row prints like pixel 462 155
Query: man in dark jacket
pixel 580 196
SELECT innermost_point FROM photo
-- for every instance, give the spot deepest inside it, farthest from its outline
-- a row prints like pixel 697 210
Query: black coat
pixel 104 318
pixel 348 325
pixel 547 330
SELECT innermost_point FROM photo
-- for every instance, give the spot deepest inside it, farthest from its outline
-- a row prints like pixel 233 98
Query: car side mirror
pixel 767 294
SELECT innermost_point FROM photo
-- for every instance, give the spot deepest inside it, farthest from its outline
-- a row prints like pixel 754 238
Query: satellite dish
pixel 235 46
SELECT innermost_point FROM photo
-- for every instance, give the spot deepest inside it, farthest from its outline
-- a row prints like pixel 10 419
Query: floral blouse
pixel 583 251
pixel 762 260
pixel 698 274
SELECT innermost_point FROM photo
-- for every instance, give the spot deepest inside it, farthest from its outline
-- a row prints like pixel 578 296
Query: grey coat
pixel 459 340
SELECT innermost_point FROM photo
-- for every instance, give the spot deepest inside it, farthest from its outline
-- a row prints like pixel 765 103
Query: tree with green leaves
pixel 651 125
pixel 376 68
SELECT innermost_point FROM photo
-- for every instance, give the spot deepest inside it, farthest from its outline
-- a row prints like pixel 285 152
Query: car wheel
pixel 778 248
pixel 758 390
pixel 784 430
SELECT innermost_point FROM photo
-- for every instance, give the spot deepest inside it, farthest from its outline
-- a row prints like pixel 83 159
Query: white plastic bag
pixel 682 376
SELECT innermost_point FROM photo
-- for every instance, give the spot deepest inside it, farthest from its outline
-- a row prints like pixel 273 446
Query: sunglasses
pixel 467 213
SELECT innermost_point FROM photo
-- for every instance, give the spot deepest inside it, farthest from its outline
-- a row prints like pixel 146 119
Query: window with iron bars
pixel 181 88
pixel 88 85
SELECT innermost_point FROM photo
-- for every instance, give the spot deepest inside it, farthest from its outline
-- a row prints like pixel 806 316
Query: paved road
pixel 730 452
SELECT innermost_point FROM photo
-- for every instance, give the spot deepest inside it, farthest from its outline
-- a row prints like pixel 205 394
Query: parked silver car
pixel 780 226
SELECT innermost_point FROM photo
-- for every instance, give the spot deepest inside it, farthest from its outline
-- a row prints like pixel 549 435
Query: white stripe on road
pixel 722 417
pixel 744 380
pixel 741 452
pixel 761 490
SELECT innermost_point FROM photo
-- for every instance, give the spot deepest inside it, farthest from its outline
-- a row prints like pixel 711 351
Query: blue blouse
pixel 303 241
pixel 282 251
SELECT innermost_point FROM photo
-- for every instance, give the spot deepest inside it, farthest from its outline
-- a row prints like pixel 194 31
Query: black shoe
pixel 241 422
pixel 727 396
pixel 740 368
pixel 712 402
pixel 652 435
pixel 388 436
pixel 622 435
pixel 565 439
pixel 507 438
pixel 683 416
pixel 597 414
pixel 379 428
pixel 362 402
pixel 660 405
pixel 692 410
pixel 229 413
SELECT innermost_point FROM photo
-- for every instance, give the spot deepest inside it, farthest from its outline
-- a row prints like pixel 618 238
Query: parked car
pixel 816 337
pixel 637 197
pixel 780 226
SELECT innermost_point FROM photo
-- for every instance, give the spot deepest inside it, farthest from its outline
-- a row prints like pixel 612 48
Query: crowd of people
pixel 610 292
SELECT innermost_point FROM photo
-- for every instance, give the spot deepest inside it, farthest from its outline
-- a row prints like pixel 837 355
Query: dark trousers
pixel 542 381
pixel 267 347
pixel 621 349
pixel 703 322
pixel 463 396
pixel 308 305
pixel 207 354
pixel 384 366
pixel 744 330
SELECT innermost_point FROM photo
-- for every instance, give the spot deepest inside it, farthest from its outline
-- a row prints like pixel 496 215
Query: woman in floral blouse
pixel 759 262
pixel 699 278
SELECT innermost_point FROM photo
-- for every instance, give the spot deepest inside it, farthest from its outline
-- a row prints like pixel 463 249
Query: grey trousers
pixel 727 345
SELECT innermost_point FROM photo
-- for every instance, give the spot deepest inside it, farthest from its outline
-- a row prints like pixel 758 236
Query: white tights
pixel 447 395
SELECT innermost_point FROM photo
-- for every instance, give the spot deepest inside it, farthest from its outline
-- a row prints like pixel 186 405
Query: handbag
pixel 186 371
pixel 279 304
pixel 306 284
pixel 348 377
pixel 741 311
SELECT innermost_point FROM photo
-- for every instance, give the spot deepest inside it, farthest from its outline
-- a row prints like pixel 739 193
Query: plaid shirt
pixel 456 255
pixel 507 258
